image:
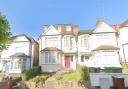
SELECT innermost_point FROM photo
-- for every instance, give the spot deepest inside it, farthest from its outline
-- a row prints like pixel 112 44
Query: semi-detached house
pixel 64 46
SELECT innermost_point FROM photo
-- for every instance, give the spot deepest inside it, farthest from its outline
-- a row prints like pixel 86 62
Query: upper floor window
pixel 18 49
pixel 102 39
pixel 103 36
pixel 68 41
pixel 84 41
pixel 51 41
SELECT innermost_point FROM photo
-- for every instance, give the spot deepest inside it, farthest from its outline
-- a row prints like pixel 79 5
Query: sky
pixel 29 16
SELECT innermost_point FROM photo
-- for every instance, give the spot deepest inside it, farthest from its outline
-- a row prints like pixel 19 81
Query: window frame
pixel 68 41
pixel 51 58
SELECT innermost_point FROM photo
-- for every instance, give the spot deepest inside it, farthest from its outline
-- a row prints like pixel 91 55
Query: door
pixel 67 61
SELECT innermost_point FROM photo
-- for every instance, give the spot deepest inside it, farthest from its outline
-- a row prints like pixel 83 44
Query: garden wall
pixel 95 78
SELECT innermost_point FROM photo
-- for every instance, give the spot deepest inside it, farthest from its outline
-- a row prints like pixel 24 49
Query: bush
pixel 125 69
pixel 84 71
pixel 30 73
pixel 113 70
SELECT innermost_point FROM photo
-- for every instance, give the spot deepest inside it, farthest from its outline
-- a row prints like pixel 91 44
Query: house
pixel 58 47
pixel 22 53
pixel 123 41
pixel 99 47
pixel 64 46
pixel 84 50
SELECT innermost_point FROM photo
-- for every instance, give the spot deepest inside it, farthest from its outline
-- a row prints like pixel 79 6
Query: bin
pixel 118 82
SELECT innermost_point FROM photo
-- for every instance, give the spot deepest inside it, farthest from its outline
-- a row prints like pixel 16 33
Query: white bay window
pixel 50 58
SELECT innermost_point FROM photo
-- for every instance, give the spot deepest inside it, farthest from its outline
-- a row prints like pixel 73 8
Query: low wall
pixel 6 84
pixel 95 78
pixel 61 84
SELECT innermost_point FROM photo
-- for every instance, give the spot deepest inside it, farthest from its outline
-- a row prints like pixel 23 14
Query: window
pixel 49 57
pixel 68 41
pixel 84 41
pixel 72 58
pixel 16 65
pixel 82 58
pixel 46 57
pixel 18 49
pixel 24 64
pixel 103 39
pixel 51 41
pixel 86 57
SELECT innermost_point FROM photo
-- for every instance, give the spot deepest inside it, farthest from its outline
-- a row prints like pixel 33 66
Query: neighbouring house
pixel 58 47
pixel 123 41
pixel 98 47
pixel 22 53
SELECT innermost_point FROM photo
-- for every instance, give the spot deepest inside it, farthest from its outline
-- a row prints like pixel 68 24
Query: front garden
pixel 81 73
pixel 33 78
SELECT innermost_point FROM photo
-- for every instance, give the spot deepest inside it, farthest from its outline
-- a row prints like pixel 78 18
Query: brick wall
pixel 6 84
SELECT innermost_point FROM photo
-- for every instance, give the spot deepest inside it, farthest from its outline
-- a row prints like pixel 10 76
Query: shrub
pixel 30 73
pixel 125 69
pixel 84 71
pixel 113 70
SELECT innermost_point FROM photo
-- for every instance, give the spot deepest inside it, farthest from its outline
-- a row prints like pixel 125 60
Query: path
pixel 50 82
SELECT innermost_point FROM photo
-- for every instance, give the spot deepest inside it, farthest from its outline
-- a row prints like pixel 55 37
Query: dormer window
pixel 68 28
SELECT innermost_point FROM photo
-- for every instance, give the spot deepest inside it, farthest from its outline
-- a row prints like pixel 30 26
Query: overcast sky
pixel 28 16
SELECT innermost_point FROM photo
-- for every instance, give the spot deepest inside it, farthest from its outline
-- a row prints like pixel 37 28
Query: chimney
pixel 99 22
pixel 75 30
pixel 117 27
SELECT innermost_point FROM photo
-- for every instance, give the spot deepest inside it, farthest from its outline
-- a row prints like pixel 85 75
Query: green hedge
pixel 113 70
pixel 84 71
pixel 30 73
pixel 125 69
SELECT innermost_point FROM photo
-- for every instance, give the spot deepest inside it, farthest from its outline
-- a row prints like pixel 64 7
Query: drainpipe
pixel 124 53
pixel 76 51
pixel 117 36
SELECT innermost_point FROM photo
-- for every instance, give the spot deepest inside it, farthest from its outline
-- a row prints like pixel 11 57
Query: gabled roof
pixel 102 27
pixel 106 47
pixel 124 24
pixel 63 28
pixel 28 37
pixel 19 55
pixel 51 49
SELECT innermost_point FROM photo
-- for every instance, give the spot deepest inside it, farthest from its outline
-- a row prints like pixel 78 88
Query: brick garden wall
pixel 6 84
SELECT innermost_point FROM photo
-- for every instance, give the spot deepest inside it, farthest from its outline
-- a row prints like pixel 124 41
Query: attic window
pixel 68 28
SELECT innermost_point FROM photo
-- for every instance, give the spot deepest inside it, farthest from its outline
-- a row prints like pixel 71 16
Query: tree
pixel 5 33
